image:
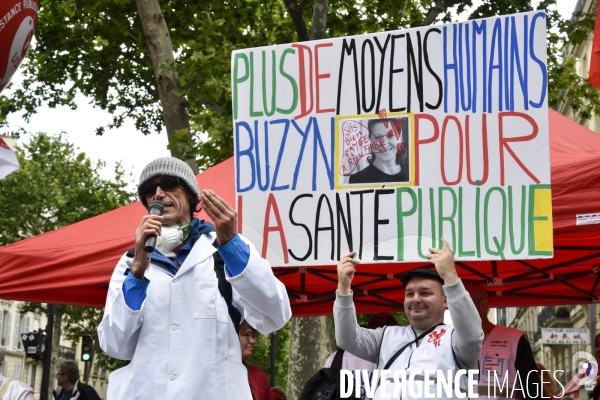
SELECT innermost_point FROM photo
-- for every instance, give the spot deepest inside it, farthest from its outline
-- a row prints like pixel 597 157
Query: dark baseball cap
pixel 422 272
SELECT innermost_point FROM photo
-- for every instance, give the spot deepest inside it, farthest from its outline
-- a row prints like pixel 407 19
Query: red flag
pixel 8 160
pixel 594 77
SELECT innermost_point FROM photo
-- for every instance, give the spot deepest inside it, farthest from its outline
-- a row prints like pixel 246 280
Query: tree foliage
pixel 565 84
pixel 99 49
pixel 74 321
pixel 55 186
pixel 78 321
pixel 261 357
pixel 363 319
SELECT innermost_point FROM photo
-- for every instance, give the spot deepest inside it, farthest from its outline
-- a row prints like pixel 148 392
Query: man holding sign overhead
pixel 427 345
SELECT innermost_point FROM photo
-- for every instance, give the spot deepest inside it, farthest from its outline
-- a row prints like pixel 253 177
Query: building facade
pixel 559 358
pixel 582 54
pixel 13 324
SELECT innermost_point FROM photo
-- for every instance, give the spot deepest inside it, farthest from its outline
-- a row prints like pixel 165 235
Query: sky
pixel 127 145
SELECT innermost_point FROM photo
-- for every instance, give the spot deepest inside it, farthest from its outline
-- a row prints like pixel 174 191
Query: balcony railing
pixel 545 316
pixel 554 317
pixel 66 353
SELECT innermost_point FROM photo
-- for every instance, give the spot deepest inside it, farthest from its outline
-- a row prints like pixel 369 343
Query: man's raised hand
pixel 346 269
pixel 443 259
pixel 222 215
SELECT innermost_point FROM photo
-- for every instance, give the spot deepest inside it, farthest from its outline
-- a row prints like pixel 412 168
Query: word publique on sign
pixel 384 143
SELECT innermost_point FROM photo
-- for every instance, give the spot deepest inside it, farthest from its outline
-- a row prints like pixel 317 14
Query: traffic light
pixel 87 347
pixel 34 344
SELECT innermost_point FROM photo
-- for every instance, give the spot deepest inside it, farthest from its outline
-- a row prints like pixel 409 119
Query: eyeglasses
pixel 57 375
pixel 395 129
pixel 170 183
pixel 251 336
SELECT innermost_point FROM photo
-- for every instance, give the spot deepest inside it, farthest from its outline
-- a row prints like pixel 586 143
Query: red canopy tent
pixel 72 265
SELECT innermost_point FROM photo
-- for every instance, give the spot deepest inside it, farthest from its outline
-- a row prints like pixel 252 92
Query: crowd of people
pixel 187 303
pixel 191 298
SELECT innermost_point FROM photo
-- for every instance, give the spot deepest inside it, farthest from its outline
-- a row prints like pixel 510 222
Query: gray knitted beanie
pixel 168 166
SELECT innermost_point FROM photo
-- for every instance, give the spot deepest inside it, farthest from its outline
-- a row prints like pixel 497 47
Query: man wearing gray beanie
pixel 166 312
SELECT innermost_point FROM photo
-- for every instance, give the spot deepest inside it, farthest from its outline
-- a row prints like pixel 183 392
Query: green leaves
pixel 100 50
pixel 261 357
pixel 54 187
pixel 78 321
pixel 566 86
pixel 573 90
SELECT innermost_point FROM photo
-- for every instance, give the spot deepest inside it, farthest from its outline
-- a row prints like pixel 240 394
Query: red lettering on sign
pixel 272 205
pixel 304 108
pixel 321 76
pixel 504 142
pixel 419 141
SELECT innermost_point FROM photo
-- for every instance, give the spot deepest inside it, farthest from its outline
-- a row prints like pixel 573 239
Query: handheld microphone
pixel 155 208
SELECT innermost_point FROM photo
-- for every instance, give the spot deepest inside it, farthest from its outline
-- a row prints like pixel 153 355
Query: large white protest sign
pixel 384 143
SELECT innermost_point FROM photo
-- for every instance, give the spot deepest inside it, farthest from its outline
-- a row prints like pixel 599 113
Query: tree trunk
pixel 311 342
pixel 319 21
pixel 167 79
pixel 309 333
pixel 439 7
pixel 296 12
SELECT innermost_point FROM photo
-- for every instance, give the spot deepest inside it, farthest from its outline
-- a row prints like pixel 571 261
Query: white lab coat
pixel 182 343
pixel 16 390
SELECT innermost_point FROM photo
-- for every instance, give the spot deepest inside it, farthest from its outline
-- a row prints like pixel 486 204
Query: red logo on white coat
pixel 436 338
